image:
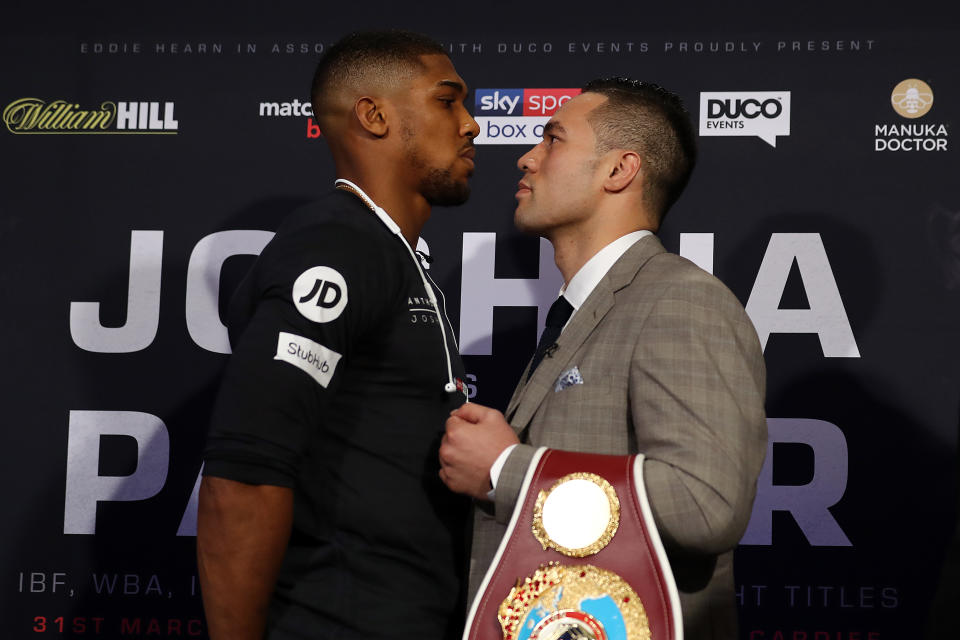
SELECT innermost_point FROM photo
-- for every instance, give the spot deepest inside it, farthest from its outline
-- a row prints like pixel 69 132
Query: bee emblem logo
pixel 912 98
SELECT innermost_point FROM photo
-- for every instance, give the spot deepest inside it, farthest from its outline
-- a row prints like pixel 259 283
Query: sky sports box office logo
pixel 516 116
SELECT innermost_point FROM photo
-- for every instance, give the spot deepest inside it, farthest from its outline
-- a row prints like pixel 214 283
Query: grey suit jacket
pixel 671 367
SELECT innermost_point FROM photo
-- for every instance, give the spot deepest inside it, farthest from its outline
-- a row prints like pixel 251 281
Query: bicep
pixel 272 396
pixel 312 308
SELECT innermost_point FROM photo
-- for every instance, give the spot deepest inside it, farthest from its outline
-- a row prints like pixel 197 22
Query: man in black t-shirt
pixel 321 512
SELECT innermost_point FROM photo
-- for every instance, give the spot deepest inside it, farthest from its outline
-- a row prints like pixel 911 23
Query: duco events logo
pixel 295 109
pixel 911 99
pixel 36 116
pixel 765 114
pixel 516 116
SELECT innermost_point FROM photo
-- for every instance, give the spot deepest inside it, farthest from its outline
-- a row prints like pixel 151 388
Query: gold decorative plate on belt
pixel 573 602
pixel 578 516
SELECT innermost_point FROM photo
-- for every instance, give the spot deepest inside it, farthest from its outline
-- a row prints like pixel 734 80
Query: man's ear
pixel 624 169
pixel 370 114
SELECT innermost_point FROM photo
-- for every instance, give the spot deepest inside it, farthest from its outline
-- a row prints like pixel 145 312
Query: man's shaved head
pixel 365 62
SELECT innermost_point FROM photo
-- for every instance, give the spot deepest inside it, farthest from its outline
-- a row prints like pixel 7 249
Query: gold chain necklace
pixel 350 189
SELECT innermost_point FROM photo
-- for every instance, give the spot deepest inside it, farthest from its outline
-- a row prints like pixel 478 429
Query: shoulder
pixel 337 232
pixel 675 286
pixel 675 308
pixel 667 274
pixel 337 219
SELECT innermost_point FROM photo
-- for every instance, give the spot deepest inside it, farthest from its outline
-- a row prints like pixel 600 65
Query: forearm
pixel 242 534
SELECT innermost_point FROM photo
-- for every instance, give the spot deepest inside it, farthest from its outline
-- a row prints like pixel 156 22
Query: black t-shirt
pixel 336 389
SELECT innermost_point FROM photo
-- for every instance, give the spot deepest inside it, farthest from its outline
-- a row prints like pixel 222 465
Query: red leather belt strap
pixel 634 553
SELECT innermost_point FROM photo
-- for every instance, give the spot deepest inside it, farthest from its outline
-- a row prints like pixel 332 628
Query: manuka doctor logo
pixel 516 116
pixel 36 116
pixel 765 114
pixel 911 99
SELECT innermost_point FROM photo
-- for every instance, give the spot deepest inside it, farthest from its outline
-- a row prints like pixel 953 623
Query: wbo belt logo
pixel 765 114
pixel 516 116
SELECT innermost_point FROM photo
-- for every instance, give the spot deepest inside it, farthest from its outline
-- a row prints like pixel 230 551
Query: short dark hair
pixel 646 118
pixel 368 55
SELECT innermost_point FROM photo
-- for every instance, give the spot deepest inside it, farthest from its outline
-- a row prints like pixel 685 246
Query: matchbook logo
pixel 296 108
pixel 292 109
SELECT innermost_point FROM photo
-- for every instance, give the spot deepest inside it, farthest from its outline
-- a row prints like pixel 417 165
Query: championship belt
pixel 581 558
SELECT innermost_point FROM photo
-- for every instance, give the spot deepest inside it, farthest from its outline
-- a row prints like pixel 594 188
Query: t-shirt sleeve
pixel 316 293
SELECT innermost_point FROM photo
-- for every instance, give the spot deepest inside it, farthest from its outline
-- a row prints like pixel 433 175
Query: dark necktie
pixel 560 312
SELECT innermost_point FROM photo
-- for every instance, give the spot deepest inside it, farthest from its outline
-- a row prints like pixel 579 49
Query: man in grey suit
pixel 657 358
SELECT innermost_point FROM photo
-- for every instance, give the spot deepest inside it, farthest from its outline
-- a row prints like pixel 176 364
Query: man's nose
pixel 470 128
pixel 528 161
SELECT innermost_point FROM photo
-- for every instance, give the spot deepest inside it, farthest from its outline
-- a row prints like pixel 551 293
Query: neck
pixel 409 210
pixel 571 252
pixel 574 246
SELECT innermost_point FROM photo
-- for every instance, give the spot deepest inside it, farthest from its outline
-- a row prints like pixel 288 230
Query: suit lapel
pixel 529 394
pixel 517 392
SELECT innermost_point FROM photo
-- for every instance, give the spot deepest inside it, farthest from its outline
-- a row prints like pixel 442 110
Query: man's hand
pixel 475 437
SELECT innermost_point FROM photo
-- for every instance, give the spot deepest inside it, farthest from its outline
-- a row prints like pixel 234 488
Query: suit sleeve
pixel 510 480
pixel 316 295
pixel 696 393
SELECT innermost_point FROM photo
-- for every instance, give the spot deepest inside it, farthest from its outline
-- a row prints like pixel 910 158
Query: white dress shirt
pixel 576 291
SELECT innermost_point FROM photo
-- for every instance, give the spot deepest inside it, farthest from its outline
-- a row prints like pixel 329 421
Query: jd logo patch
pixel 320 294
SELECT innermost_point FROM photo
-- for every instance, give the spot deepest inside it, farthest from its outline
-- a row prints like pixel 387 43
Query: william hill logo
pixel 35 116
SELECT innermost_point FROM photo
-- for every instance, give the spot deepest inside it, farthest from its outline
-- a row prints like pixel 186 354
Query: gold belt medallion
pixel 584 602
pixel 577 516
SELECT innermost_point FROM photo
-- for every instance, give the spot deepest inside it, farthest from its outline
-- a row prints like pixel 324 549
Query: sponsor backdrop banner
pixel 147 158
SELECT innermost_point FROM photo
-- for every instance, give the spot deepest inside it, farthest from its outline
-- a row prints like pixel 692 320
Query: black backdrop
pixel 843 250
